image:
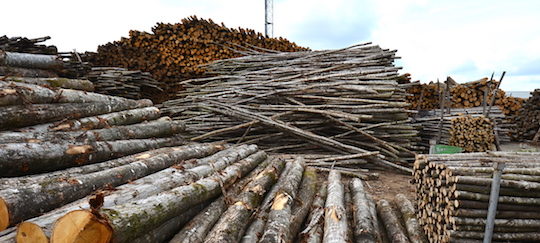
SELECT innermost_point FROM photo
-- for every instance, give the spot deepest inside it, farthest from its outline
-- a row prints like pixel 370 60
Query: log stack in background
pixel 174 52
pixel 344 101
pixel 452 194
pixel 25 45
pixel 124 83
pixel 473 134
pixel 528 121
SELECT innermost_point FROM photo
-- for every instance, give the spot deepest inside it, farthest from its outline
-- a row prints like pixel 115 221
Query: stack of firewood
pixel 473 134
pixel 528 121
pixel 175 51
pixel 453 193
pixel 343 101
pixel 124 83
pixel 25 45
pixel 466 95
pixel 235 195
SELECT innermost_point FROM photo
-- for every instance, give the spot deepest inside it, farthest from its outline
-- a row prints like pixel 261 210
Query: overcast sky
pixel 465 39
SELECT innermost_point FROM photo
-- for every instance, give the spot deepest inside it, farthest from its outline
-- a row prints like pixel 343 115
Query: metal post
pixel 269 18
pixel 493 200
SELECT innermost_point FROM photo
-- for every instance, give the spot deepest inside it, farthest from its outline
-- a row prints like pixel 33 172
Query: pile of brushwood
pixel 453 191
pixel 238 194
pixel 528 121
pixel 340 101
pixel 124 83
pixel 176 51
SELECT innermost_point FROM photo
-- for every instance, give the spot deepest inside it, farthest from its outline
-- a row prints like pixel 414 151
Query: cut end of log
pixel 31 233
pixel 4 215
pixel 81 226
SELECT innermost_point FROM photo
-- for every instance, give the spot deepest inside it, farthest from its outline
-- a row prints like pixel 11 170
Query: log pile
pixel 124 83
pixel 453 193
pixel 473 134
pixel 344 101
pixel 528 121
pixel 238 194
pixel 465 95
pixel 25 45
pixel 175 51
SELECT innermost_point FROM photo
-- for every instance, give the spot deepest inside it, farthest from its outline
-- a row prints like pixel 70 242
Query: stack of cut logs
pixel 431 123
pixel 528 121
pixel 465 95
pixel 234 195
pixel 175 51
pixel 25 45
pixel 124 83
pixel 453 193
pixel 473 134
pixel 344 101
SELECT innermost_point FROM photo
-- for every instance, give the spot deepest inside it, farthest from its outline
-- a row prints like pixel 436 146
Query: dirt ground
pixel 389 185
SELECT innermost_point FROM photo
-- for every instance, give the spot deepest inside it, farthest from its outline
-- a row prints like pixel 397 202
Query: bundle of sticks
pixel 465 95
pixel 175 51
pixel 225 194
pixel 528 121
pixel 453 192
pixel 25 45
pixel 343 101
pixel 124 83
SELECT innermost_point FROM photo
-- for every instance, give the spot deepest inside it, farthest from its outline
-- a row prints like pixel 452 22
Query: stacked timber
pixel 124 83
pixel 26 45
pixel 528 121
pixel 66 83
pixel 465 95
pixel 453 193
pixel 175 51
pixel 473 134
pixel 238 194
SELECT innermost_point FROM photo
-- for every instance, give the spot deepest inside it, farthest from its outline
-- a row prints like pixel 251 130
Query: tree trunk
pixel 77 84
pixel 313 233
pixel 27 115
pixel 232 224
pixel 415 232
pixel 130 220
pixel 391 222
pixel 29 60
pixel 158 182
pixel 335 218
pixel 126 117
pixel 26 72
pixel 302 204
pixel 159 128
pixel 363 221
pixel 30 158
pixel 278 224
pixel 508 237
pixel 20 93
pixel 34 199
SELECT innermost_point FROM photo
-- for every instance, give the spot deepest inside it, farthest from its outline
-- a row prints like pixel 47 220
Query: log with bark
pixel 364 230
pixel 408 213
pixel 54 81
pixel 335 217
pixel 391 222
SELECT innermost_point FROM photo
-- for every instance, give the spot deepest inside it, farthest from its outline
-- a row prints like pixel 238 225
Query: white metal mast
pixel 269 18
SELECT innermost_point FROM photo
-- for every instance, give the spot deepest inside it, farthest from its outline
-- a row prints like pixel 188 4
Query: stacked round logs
pixel 473 134
pixel 25 45
pixel 453 193
pixel 124 83
pixel 175 51
pixel 465 95
pixel 528 121
pixel 235 195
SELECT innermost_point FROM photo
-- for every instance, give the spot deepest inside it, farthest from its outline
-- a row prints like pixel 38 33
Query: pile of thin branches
pixel 345 101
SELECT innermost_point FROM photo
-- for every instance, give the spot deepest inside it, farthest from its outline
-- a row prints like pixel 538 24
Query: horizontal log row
pixel 26 45
pixel 528 121
pixel 452 193
pixel 122 82
pixel 344 101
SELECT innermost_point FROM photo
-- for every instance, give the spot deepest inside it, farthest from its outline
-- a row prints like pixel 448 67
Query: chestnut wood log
pixel 414 231
pixel 335 218
pixel 313 232
pixel 364 230
pixel 302 204
pixel 396 233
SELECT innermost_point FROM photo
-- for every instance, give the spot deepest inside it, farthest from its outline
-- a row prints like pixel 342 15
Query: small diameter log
pixel 159 128
pixel 197 229
pixel 302 204
pixel 164 232
pixel 415 232
pixel 155 183
pixel 53 81
pixel 126 117
pixel 13 93
pixel 34 199
pixel 149 212
pixel 391 222
pixel 313 233
pixel 335 218
pixel 364 230
pixel 277 227
pixel 232 224
pixel 27 115
pixel 30 158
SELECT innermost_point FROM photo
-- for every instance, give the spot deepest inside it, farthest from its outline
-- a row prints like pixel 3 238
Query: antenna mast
pixel 269 18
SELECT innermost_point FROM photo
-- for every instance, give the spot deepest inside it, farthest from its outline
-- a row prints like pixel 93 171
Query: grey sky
pixel 462 38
